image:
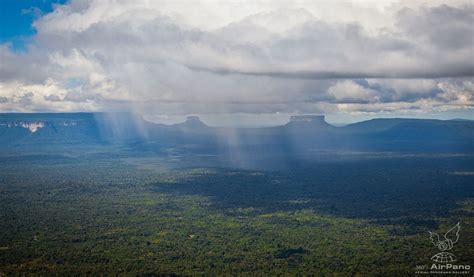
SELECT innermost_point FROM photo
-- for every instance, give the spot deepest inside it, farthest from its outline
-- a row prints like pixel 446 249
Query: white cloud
pixel 175 57
pixel 351 92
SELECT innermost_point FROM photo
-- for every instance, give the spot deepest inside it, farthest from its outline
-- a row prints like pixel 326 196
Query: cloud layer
pixel 173 57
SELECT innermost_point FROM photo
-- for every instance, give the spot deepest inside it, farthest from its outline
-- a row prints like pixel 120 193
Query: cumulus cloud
pixel 172 57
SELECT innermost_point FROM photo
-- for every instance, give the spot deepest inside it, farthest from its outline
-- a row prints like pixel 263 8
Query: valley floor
pixel 356 213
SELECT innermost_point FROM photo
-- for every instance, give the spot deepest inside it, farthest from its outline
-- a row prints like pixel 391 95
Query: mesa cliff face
pixel 191 123
pixel 308 122
pixel 32 126
pixel 308 118
pixel 302 132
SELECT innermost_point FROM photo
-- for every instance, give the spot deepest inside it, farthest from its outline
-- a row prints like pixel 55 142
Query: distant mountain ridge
pixel 299 134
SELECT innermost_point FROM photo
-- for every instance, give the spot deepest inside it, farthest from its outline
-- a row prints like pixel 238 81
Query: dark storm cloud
pixel 82 96
pixel 466 71
pixel 278 60
pixel 445 27
pixel 388 93
pixel 26 99
pixel 52 98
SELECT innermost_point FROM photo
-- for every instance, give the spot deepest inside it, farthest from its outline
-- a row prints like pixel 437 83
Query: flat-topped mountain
pixel 303 132
pixel 308 118
pixel 191 123
pixel 70 128
pixel 309 123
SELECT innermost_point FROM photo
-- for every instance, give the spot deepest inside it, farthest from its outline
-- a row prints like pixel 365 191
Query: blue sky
pixel 17 16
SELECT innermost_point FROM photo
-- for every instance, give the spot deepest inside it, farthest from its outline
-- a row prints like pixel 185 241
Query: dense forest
pixel 347 213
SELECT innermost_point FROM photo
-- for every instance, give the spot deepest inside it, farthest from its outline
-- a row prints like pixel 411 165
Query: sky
pixel 17 16
pixel 239 62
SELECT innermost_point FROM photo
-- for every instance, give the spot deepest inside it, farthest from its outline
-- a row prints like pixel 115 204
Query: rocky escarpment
pixel 308 118
pixel 308 121
pixel 34 126
pixel 191 123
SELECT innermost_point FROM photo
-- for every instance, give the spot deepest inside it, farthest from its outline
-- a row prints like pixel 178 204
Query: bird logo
pixel 445 244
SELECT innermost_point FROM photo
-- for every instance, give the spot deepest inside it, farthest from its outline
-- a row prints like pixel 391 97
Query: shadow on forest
pixel 409 191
